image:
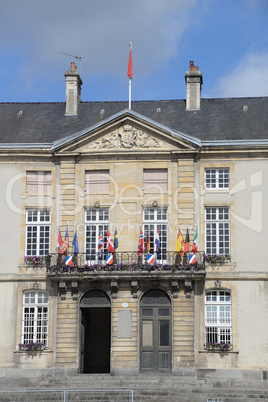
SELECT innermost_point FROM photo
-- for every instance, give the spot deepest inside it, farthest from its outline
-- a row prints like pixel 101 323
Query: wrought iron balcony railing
pixel 123 261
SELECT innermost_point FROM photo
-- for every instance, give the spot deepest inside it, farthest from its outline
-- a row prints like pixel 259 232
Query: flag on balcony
pixel 109 242
pixel 100 244
pixel 109 259
pixel 187 242
pixel 59 243
pixel 195 248
pixel 150 258
pixel 157 242
pixel 116 243
pixel 65 243
pixel 148 244
pixel 192 258
pixel 68 260
pixel 179 243
pixel 141 244
pixel 75 244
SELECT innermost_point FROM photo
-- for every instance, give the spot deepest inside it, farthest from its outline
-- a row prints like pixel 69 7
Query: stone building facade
pixel 83 168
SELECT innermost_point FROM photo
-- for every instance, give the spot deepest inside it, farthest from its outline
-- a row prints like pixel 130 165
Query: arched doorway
pixel 95 309
pixel 156 332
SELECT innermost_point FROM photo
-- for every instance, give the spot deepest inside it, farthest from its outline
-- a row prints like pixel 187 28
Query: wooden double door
pixel 156 332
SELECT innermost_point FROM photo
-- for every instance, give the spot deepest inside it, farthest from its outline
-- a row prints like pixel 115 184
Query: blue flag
pixel 116 244
pixel 75 243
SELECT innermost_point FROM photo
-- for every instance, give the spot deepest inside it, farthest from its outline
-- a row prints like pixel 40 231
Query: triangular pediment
pixel 126 132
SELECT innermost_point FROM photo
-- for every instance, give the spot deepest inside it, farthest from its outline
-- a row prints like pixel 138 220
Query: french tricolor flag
pixel 150 258
pixel 192 258
pixel 109 259
pixel 68 260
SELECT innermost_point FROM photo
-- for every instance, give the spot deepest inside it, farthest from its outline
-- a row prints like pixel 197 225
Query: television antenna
pixel 76 57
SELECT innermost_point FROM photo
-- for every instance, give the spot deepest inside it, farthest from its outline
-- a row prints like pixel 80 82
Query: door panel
pixel 156 338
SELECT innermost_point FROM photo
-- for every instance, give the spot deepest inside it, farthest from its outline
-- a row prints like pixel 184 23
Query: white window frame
pixel 96 221
pixel 218 316
pixel 217 178
pixel 153 219
pixel 35 316
pixel 37 234
pixel 217 222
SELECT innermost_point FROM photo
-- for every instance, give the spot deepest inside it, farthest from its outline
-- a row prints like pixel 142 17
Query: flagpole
pixel 129 93
pixel 130 74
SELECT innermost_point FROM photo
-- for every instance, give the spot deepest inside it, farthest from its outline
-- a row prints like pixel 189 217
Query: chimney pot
pixel 73 90
pixel 194 81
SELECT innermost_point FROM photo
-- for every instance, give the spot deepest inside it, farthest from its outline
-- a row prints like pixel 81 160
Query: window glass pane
pixel 147 333
pixel 164 332
pixel 147 311
pixel 97 181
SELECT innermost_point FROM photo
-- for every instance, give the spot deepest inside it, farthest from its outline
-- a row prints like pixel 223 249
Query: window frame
pixel 157 184
pixel 223 323
pixel 104 180
pixel 217 231
pixel 34 230
pixel 38 316
pixel 41 186
pixel 217 182
pixel 153 219
pixel 98 225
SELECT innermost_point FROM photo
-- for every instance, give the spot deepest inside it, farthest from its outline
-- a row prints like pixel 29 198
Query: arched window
pixel 35 316
pixel 218 316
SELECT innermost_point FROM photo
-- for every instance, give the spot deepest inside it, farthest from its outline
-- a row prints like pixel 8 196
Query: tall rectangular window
pixel 153 219
pixel 96 223
pixel 35 317
pixel 38 182
pixel 155 180
pixel 218 317
pixel 217 230
pixel 217 178
pixel 37 232
pixel 97 181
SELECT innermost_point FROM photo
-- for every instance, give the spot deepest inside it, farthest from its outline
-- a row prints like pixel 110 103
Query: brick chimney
pixel 73 90
pixel 194 81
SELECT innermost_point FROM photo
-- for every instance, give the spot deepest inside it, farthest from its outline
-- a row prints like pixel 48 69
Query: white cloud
pixel 98 31
pixel 248 79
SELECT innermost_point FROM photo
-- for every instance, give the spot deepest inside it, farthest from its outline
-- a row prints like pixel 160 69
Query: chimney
pixel 194 81
pixel 73 90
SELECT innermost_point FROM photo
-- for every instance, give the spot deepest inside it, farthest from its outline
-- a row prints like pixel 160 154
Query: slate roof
pixel 222 119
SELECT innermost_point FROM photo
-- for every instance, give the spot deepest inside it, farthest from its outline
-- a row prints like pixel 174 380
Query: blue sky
pixel 227 39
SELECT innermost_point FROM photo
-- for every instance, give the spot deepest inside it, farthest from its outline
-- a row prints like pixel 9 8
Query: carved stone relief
pixel 127 137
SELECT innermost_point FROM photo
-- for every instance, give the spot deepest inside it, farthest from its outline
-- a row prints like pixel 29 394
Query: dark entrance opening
pixel 95 332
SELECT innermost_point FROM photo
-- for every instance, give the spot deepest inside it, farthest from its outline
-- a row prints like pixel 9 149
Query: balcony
pixel 123 264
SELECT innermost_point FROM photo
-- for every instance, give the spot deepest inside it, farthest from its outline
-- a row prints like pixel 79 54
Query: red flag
pixel 109 242
pixel 65 243
pixel 59 243
pixel 141 244
pixel 130 66
pixel 187 242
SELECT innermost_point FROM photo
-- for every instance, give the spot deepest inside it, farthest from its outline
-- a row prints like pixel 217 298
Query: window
pixel 35 316
pixel 97 181
pixel 97 222
pixel 155 180
pixel 38 182
pixel 218 316
pixel 217 178
pixel 37 232
pixel 153 219
pixel 217 230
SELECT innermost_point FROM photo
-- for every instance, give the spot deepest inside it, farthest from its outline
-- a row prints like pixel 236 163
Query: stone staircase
pixel 153 388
